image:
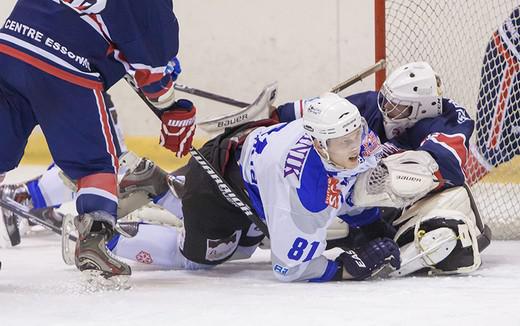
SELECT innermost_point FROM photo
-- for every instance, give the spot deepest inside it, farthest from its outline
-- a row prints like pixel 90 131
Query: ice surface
pixel 37 288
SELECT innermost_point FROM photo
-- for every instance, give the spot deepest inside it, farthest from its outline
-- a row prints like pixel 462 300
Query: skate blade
pixel 96 282
pixel 67 245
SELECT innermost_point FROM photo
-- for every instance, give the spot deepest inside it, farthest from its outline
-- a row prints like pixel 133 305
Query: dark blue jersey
pixel 445 137
pixel 94 43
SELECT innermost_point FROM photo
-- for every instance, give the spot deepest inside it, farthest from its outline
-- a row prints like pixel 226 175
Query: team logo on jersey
pixel 370 145
pixel 296 157
pixel 219 249
pixel 86 6
pixel 280 269
pixel 144 257
pixel 333 193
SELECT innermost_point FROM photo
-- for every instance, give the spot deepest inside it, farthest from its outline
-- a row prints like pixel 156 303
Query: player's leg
pixel 154 245
pixel 116 127
pixel 76 125
pixel 213 227
pixel 53 188
pixel 439 234
pixel 16 124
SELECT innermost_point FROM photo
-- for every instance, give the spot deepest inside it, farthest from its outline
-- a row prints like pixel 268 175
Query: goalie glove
pixel 178 127
pixel 399 181
pixel 368 260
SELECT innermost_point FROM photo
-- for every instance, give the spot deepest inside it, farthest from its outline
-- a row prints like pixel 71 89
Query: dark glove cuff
pixel 182 104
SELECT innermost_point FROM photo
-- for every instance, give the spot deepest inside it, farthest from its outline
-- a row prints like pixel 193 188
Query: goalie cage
pixel 481 71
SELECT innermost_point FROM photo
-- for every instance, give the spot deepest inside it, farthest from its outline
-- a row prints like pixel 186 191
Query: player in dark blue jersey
pixel 57 58
pixel 409 113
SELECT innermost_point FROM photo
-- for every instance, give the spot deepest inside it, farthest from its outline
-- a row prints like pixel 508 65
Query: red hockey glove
pixel 178 127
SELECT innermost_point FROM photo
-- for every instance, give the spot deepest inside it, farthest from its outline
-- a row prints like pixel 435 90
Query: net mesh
pixel 474 45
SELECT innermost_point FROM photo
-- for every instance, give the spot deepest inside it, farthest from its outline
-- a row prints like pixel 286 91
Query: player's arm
pixel 298 243
pixel 447 141
pixel 298 256
pixel 144 37
pixel 294 110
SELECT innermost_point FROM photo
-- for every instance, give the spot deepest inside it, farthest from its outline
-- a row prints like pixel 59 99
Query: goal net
pixel 474 45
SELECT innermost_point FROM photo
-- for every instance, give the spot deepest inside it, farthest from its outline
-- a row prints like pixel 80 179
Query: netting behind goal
pixel 480 70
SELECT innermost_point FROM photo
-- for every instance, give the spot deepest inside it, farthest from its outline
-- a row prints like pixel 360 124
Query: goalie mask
pixel 335 124
pixel 411 93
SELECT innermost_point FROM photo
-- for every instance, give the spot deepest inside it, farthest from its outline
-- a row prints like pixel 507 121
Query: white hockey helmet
pixel 336 123
pixel 411 93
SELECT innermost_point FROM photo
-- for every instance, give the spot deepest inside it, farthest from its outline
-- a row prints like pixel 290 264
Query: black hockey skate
pixel 102 270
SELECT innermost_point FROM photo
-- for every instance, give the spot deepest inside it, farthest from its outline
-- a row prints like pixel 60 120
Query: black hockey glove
pixel 368 260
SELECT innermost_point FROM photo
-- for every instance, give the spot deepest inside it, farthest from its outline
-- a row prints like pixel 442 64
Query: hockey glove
pixel 178 127
pixel 366 261
pixel 174 68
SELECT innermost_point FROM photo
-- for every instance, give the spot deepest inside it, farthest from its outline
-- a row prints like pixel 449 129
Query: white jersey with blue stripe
pixel 298 195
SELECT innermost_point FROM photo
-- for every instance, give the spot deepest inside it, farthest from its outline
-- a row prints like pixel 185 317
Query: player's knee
pixel 97 192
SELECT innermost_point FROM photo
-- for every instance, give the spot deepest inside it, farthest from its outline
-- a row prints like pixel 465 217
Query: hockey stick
pixel 381 64
pixel 208 95
pixel 222 185
pixel 24 212
pixel 259 109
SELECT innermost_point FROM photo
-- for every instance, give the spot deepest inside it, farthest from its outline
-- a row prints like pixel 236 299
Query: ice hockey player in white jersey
pixel 425 139
pixel 298 177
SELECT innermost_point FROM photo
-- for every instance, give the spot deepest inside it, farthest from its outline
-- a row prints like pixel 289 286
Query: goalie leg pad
pixel 444 241
pixel 143 180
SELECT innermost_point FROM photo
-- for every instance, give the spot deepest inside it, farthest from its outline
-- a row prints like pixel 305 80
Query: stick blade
pixel 258 110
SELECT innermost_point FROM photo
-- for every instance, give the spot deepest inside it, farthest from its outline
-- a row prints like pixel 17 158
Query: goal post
pixel 474 45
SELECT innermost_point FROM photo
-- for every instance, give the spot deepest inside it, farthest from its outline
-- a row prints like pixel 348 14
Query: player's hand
pixel 178 127
pixel 368 260
pixel 174 68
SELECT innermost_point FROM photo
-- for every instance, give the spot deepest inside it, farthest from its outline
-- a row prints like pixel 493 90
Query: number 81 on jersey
pixel 299 248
